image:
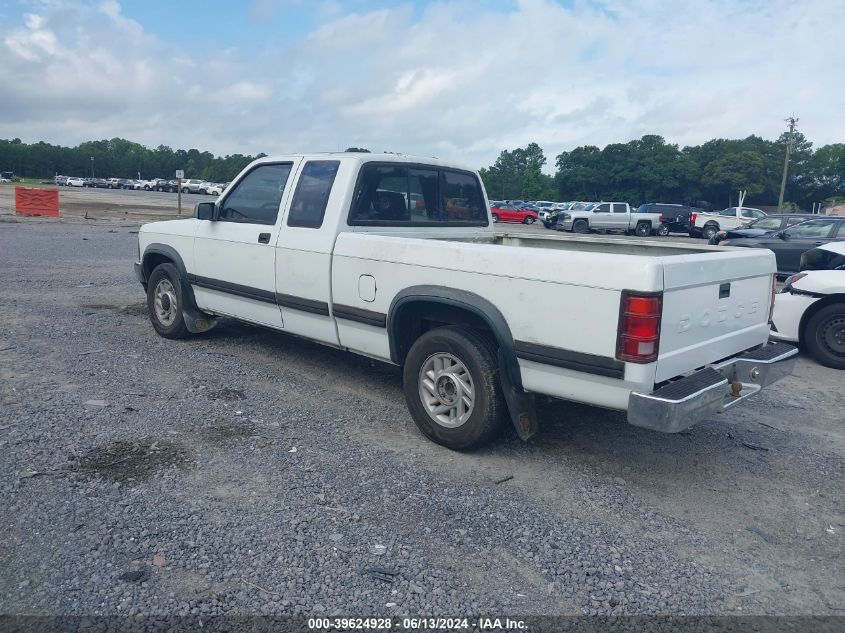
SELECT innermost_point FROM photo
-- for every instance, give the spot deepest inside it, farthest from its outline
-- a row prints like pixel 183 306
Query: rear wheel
pixel 451 383
pixel 581 226
pixel 710 231
pixel 165 302
pixel 643 229
pixel 495 218
pixel 824 335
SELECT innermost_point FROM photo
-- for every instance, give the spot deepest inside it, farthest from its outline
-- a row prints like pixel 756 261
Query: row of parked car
pixel 191 185
pixel 788 235
pixel 809 250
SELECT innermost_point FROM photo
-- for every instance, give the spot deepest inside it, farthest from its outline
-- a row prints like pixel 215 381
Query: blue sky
pixel 461 79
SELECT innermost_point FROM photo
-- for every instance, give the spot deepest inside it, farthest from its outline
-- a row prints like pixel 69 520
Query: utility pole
pixel 792 122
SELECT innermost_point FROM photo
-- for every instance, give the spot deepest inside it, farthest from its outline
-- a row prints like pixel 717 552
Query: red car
pixel 508 213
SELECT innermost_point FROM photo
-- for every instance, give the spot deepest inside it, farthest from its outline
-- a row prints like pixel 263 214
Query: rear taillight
pixel 639 326
pixel 661 220
pixel 693 217
pixel 774 292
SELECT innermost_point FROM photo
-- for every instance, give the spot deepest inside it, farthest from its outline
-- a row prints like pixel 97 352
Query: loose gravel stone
pixel 269 475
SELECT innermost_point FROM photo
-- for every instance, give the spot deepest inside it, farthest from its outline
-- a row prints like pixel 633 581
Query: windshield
pixel 769 224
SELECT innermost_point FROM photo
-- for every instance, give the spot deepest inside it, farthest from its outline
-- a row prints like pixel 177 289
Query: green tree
pixel 740 170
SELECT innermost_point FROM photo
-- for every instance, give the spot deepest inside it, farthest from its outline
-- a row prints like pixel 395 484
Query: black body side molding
pixel 567 359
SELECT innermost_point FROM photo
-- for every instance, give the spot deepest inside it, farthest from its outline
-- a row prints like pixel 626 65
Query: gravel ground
pixel 247 472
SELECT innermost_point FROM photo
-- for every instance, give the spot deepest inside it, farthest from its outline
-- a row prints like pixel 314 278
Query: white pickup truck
pixel 396 258
pixel 609 216
pixel 706 225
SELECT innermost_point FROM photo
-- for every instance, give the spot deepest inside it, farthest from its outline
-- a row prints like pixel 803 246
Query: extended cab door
pixel 235 255
pixel 304 249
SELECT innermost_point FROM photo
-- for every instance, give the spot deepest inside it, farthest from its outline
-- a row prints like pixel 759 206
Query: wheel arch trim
pixel 173 255
pixel 464 300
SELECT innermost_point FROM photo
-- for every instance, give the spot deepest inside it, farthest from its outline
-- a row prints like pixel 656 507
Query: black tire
pixel 529 220
pixel 581 226
pixel 479 357
pixel 643 229
pixel 824 335
pixel 495 218
pixel 167 273
pixel 710 230
pixel 663 230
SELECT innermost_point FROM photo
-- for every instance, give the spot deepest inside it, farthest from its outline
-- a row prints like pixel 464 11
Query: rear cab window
pixel 399 194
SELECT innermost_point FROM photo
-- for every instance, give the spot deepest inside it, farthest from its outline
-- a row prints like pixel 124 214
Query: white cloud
pixel 458 80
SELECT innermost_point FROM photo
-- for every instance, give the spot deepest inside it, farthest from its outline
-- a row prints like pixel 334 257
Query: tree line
pixel 651 170
pixel 644 170
pixel 117 158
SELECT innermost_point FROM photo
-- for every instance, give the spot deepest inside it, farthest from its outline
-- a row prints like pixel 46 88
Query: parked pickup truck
pixel 395 258
pixel 609 216
pixel 706 225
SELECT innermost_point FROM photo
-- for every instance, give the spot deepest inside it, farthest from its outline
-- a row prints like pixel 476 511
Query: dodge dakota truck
pixel 396 258
pixel 609 216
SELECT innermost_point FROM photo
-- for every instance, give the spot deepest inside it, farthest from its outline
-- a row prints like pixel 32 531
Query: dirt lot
pixel 245 472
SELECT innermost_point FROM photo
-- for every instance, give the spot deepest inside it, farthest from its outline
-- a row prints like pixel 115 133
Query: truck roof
pixel 362 157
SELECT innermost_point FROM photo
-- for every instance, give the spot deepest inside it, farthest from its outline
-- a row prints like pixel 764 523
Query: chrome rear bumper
pixel 680 404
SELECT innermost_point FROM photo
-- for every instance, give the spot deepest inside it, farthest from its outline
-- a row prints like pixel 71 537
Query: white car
pixel 810 308
pixel 327 247
pixel 214 189
pixel 73 181
pixel 192 185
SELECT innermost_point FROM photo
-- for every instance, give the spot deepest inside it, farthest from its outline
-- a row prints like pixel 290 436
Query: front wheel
pixel 643 229
pixel 581 226
pixel 165 302
pixel 710 231
pixel 663 230
pixel 451 384
pixel 495 218
pixel 529 220
pixel 824 336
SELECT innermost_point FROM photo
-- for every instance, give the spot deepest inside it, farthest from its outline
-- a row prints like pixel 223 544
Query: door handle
pixel 819 243
pixel 263 238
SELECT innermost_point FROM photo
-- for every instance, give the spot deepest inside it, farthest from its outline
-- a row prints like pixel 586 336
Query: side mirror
pixel 204 211
pixel 783 235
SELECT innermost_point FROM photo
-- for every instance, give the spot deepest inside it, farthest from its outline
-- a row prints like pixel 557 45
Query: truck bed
pixel 564 293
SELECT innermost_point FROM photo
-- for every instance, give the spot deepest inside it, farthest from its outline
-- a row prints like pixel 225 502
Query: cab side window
pixel 256 198
pixel 603 208
pixel 312 193
pixel 620 208
pixel 813 228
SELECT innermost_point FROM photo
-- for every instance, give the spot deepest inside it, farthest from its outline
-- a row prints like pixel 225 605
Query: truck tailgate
pixel 715 305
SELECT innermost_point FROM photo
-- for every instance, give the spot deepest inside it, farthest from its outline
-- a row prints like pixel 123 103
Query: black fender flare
pixel 520 404
pixel 173 255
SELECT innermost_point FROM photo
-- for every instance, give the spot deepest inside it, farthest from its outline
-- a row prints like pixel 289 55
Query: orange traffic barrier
pixel 29 201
